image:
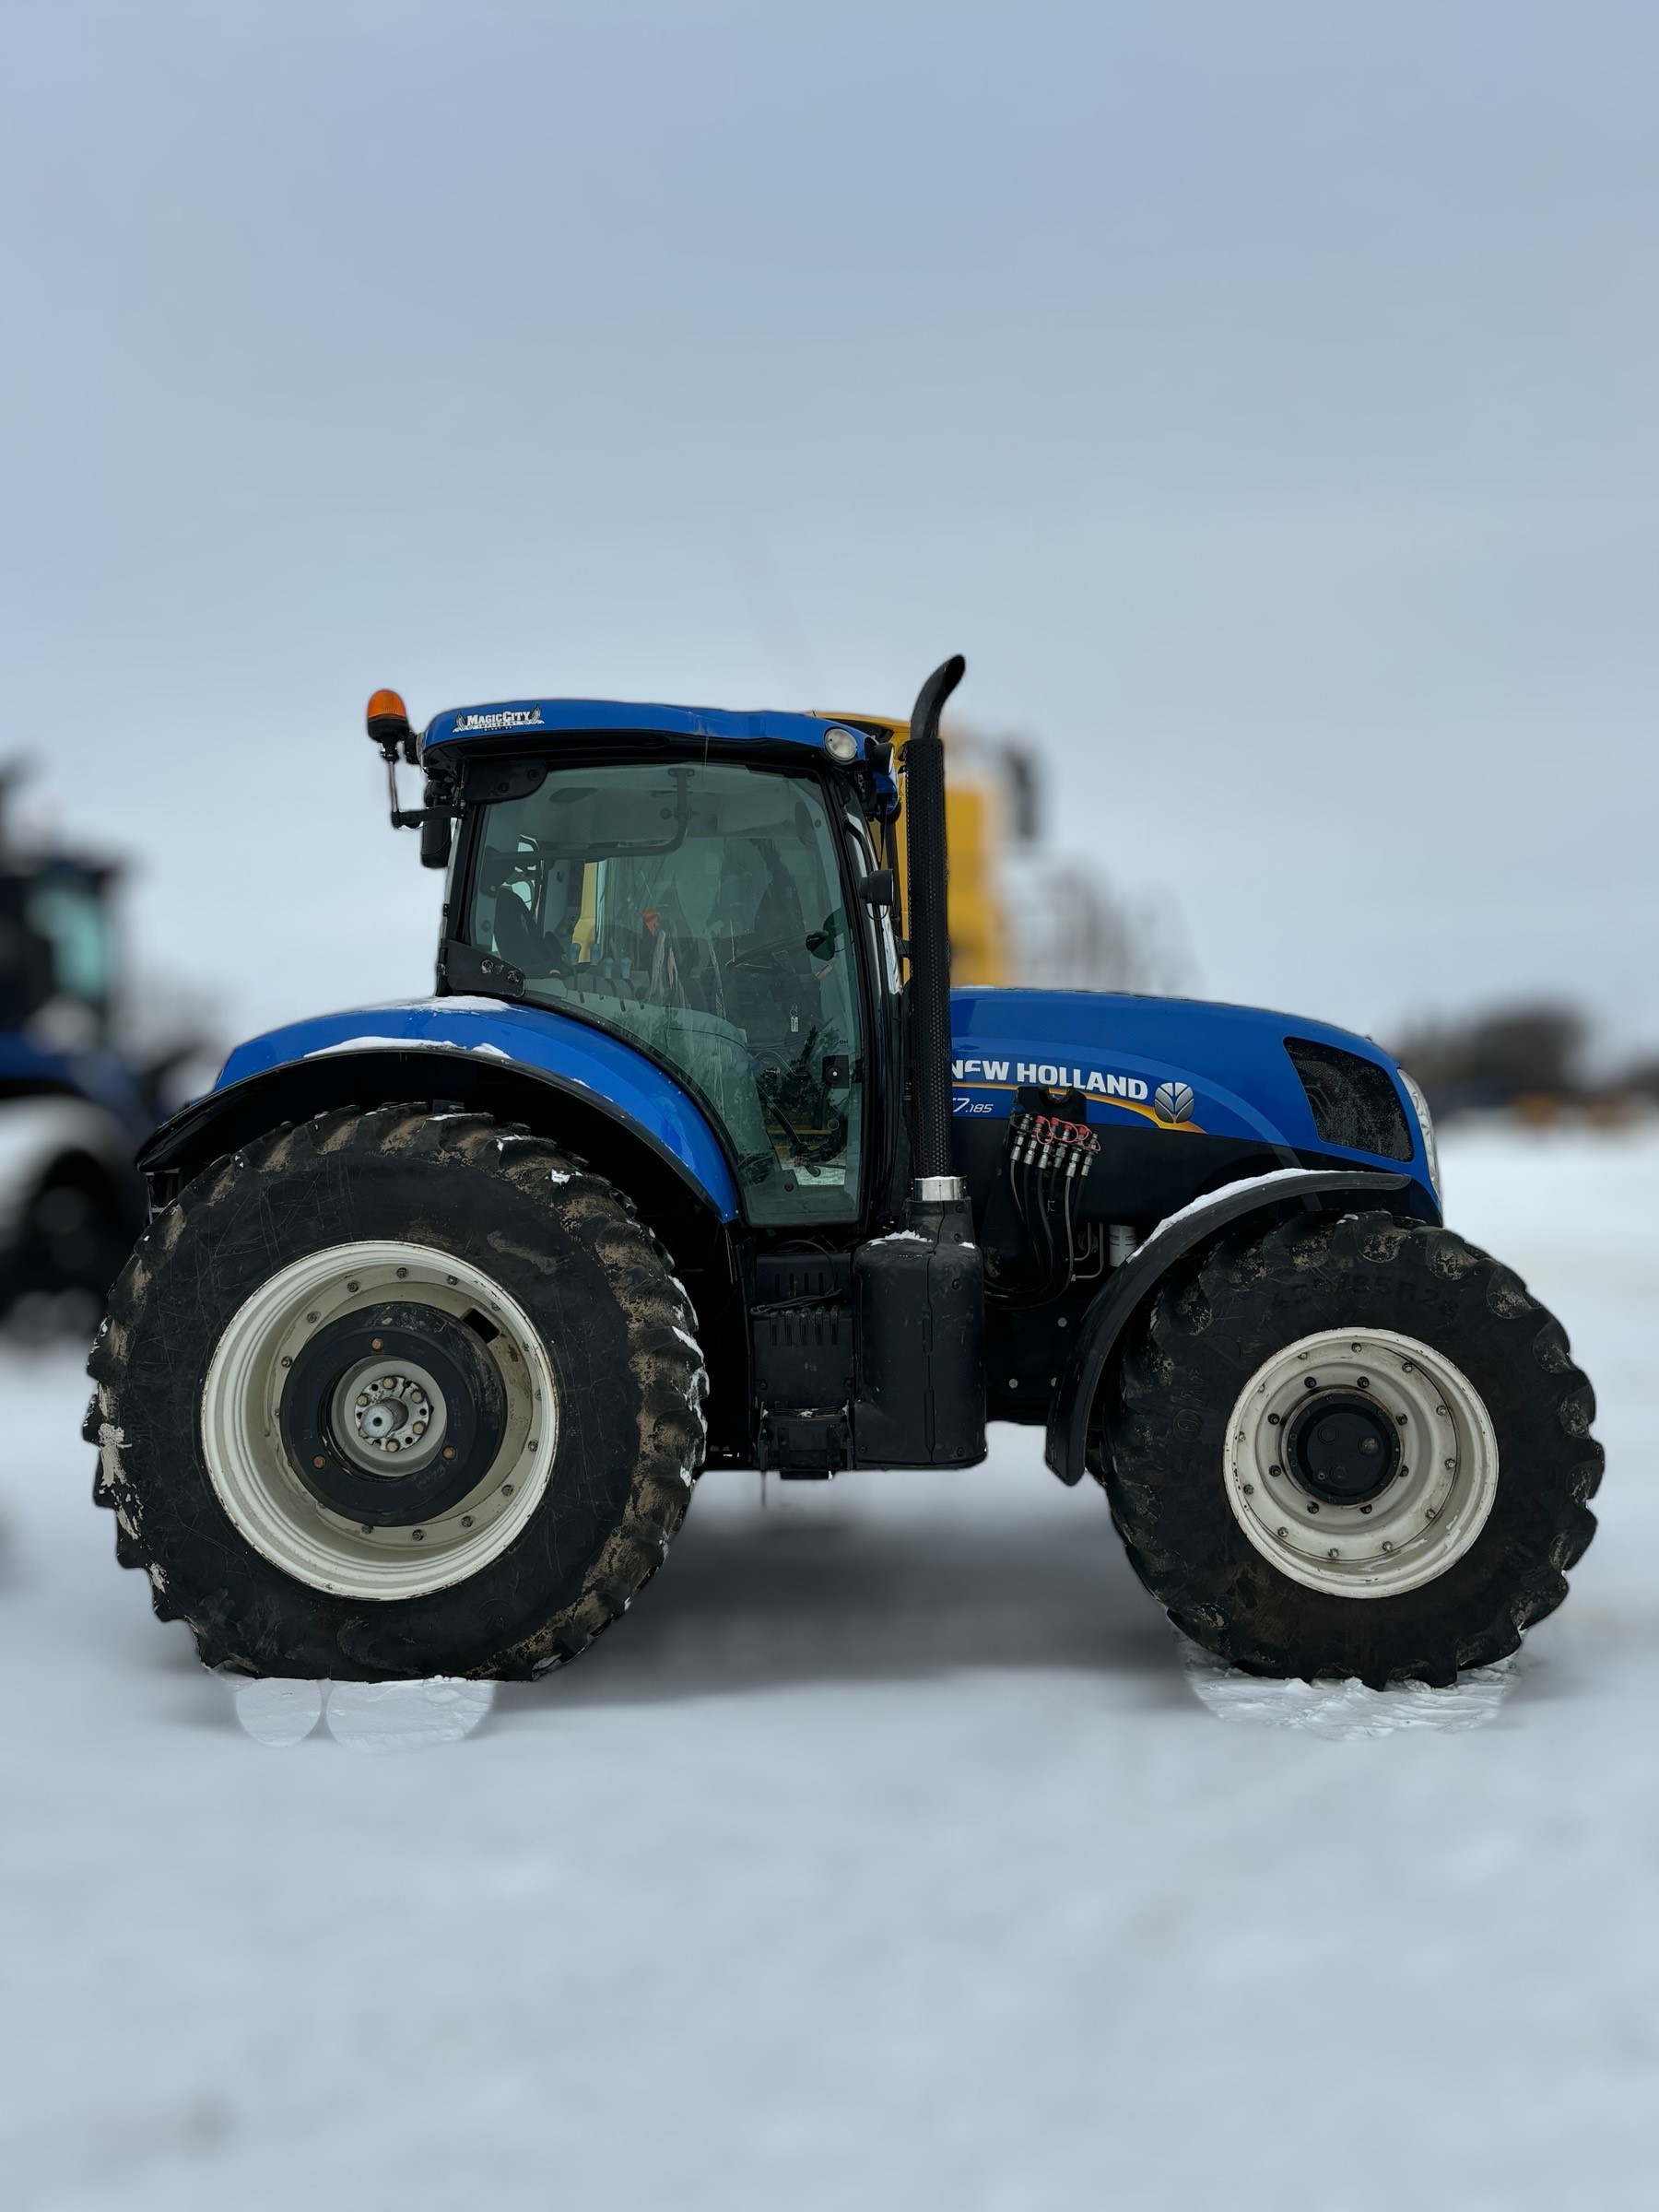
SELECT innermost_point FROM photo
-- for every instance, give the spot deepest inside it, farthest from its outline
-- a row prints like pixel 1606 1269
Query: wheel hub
pixel 1360 1463
pixel 1342 1447
pixel 391 1413
pixel 388 1420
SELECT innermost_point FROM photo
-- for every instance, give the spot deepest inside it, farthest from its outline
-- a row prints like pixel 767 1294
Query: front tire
pixel 394 1395
pixel 1351 1448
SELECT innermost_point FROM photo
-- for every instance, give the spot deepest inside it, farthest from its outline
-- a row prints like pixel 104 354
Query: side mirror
pixel 880 890
pixel 436 828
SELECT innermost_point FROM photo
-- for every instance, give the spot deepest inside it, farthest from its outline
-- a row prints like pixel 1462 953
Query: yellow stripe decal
pixel 1147 1114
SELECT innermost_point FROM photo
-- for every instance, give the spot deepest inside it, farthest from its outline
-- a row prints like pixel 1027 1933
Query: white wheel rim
pixel 1429 1516
pixel 249 1466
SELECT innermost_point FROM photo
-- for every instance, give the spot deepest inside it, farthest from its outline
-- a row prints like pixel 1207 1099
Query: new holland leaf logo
pixel 1173 1102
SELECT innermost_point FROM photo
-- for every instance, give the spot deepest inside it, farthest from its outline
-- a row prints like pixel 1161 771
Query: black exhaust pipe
pixel 929 929
pixel 919 1293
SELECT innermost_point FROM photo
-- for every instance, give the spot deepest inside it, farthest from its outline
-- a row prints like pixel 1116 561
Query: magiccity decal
pixel 510 718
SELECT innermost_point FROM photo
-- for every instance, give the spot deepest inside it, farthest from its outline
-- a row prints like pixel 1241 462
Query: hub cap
pixel 386 1422
pixel 1360 1463
pixel 379 1419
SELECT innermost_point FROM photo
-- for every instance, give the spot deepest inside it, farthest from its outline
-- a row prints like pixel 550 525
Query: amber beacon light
pixel 388 722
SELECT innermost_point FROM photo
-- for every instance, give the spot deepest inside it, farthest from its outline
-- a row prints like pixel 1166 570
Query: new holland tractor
pixel 695 1159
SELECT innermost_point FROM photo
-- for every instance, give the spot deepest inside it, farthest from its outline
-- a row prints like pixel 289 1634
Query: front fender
pixel 1320 1190
pixel 291 1071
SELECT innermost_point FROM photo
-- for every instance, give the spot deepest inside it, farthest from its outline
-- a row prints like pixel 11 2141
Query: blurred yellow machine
pixel 1018 912
pixel 981 951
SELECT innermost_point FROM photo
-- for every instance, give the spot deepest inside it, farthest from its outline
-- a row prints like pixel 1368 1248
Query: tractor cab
pixel 55 950
pixel 717 890
pixel 706 911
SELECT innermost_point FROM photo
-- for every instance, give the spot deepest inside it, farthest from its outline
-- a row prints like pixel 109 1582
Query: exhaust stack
pixel 929 937
pixel 919 1295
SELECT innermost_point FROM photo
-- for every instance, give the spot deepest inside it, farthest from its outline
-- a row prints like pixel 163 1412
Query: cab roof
pixel 514 721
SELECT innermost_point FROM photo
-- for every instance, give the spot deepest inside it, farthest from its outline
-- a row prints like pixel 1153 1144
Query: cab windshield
pixel 698 910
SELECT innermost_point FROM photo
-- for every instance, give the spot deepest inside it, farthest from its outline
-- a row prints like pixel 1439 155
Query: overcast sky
pixel 1261 395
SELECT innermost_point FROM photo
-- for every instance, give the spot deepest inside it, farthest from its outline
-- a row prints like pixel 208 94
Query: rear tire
pixel 1422 1348
pixel 397 1282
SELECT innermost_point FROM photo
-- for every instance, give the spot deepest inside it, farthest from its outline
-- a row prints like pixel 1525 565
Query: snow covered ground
pixel 892 1852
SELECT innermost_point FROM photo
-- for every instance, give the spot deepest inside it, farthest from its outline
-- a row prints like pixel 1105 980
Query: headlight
pixel 1419 1106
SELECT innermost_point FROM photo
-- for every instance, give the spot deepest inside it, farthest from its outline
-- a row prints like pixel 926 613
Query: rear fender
pixel 668 1162
pixel 1263 1199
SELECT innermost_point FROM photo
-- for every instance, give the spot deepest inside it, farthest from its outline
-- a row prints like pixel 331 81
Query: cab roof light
pixel 388 725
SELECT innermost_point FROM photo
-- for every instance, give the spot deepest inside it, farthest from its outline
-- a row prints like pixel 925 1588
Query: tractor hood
pixel 1187 1095
pixel 1186 1070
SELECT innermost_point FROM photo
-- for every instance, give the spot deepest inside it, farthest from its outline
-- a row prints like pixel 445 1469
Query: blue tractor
pixel 73 1108
pixel 693 1157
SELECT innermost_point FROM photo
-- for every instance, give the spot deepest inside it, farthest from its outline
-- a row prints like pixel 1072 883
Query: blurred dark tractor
pixel 72 1107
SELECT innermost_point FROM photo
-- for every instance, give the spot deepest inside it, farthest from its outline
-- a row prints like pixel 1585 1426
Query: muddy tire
pixel 1351 1447
pixel 394 1395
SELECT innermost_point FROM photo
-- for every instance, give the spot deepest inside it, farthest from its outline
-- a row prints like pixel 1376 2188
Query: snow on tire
pixel 1351 1448
pixel 395 1394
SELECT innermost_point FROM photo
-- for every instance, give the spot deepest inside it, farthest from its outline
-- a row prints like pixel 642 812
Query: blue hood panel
pixel 571 1052
pixel 1139 1059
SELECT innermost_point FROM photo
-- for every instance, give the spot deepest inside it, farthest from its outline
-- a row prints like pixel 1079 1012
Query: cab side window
pixel 699 910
